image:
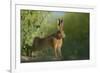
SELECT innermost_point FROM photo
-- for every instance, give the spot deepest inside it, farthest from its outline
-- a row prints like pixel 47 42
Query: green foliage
pixel 34 23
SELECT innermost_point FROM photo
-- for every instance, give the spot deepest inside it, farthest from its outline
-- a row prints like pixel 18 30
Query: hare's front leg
pixel 56 52
pixel 59 52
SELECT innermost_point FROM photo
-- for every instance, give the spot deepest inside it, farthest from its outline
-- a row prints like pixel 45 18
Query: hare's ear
pixel 62 20
pixel 58 23
pixel 61 26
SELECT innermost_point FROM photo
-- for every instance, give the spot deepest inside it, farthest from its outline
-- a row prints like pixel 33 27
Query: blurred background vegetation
pixel 43 23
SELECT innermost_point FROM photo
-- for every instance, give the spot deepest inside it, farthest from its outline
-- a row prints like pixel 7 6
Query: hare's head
pixel 60 26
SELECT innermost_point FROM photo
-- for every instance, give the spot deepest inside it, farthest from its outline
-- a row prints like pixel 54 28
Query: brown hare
pixel 53 41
